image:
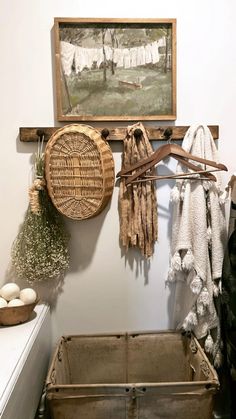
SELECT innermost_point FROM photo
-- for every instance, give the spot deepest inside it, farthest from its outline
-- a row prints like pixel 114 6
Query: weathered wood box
pixel 160 375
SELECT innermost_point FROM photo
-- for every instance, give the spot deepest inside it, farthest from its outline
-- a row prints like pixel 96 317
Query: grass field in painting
pixel 90 95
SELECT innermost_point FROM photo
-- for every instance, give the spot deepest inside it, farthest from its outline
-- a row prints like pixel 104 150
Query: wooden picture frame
pixel 115 69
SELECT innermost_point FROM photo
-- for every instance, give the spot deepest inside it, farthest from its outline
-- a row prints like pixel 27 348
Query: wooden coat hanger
pixel 170 150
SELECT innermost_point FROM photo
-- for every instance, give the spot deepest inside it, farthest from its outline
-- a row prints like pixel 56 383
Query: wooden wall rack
pixel 111 133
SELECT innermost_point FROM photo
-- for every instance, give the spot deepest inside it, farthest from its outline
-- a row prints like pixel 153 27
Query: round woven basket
pixel 79 170
pixel 10 316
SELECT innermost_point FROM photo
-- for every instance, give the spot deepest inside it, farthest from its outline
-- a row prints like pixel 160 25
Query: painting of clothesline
pixel 113 69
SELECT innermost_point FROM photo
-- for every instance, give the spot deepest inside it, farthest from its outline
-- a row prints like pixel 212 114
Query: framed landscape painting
pixel 115 69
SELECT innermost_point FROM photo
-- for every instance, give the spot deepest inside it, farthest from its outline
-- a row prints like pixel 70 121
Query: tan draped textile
pixel 137 202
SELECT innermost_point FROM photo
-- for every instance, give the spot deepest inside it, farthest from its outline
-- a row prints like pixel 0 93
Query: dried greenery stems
pixel 137 202
pixel 40 250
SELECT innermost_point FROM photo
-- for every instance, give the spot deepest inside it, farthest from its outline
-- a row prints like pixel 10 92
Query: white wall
pixel 104 291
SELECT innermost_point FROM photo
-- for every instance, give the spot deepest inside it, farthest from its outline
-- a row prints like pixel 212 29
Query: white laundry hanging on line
pixel 95 54
pixel 148 54
pixel 162 42
pixel 91 57
pixel 85 57
pixel 119 57
pixel 123 57
pixel 133 57
pixel 155 52
pixel 127 57
pixel 108 52
pixel 67 56
pixel 80 59
pixel 100 57
pixel 141 56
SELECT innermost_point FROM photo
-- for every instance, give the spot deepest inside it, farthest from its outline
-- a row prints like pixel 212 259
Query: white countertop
pixel 15 345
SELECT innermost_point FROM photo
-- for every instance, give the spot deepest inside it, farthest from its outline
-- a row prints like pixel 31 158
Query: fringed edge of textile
pixel 184 261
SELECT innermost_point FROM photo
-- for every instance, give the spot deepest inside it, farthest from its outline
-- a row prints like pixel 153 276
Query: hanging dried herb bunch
pixel 40 250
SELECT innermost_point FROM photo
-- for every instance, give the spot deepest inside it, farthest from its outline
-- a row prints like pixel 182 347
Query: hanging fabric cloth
pixel 197 248
pixel 226 309
pixel 227 305
pixel 137 202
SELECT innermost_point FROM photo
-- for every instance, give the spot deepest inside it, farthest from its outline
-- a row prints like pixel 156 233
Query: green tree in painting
pixel 72 34
pixel 114 44
pixel 104 31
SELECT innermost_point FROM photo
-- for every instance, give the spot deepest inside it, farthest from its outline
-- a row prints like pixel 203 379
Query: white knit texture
pixel 198 226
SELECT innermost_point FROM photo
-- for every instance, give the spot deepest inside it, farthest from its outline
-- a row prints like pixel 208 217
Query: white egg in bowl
pixel 18 311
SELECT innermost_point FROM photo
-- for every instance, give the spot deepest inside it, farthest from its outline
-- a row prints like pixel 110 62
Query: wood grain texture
pixel 58 20
pixel 156 133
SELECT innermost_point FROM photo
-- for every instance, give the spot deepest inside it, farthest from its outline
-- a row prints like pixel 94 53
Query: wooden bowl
pixel 10 316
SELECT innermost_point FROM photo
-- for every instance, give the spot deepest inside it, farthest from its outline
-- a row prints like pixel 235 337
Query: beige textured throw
pixel 137 202
pixel 198 242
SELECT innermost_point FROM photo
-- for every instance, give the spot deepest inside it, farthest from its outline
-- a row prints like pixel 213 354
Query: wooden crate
pixel 133 376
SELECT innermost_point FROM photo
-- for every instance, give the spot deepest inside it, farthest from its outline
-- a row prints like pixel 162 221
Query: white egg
pixel 28 295
pixel 3 302
pixel 10 291
pixel 15 303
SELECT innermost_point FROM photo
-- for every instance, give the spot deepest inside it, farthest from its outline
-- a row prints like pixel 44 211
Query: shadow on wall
pixel 136 261
pixel 84 236
pixel 83 241
pixel 171 286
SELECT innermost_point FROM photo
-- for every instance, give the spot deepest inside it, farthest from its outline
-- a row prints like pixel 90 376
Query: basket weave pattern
pixel 79 170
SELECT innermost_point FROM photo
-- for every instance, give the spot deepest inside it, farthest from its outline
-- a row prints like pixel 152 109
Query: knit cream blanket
pixel 197 249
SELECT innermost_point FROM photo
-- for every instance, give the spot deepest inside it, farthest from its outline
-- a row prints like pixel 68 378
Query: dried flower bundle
pixel 40 250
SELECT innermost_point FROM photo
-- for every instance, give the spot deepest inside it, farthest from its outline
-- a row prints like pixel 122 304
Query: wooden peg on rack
pixel 105 133
pixel 40 133
pixel 168 134
pixel 138 133
pixel 155 133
